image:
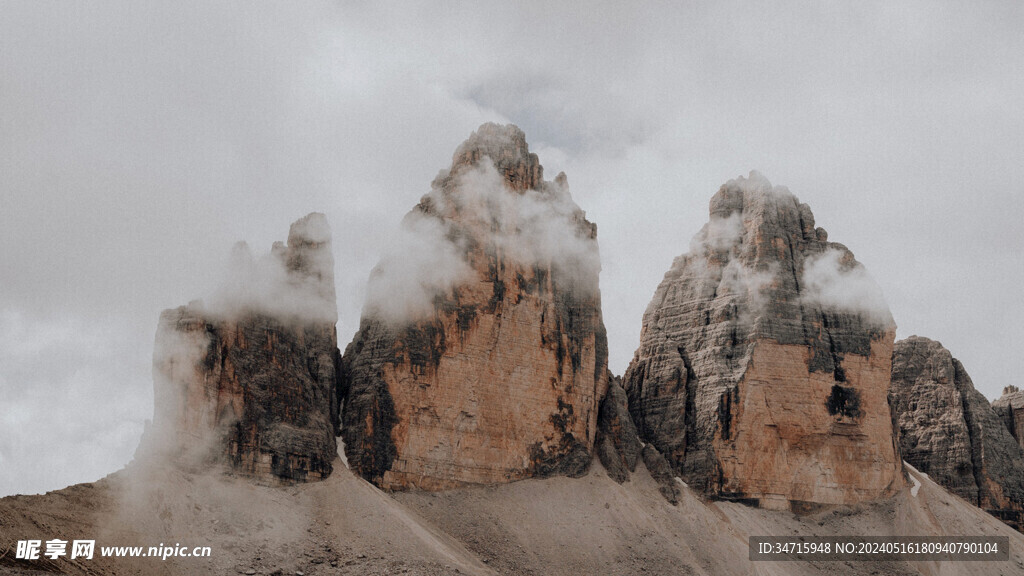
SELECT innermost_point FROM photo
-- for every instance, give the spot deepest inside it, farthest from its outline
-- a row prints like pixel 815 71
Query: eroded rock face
pixel 661 472
pixel 949 431
pixel 765 356
pixel 250 378
pixel 481 354
pixel 619 448
pixel 617 444
pixel 1010 407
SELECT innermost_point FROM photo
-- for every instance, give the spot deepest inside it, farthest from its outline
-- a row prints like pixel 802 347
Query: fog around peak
pixel 428 257
pixel 835 282
pixel 291 283
pixel 140 142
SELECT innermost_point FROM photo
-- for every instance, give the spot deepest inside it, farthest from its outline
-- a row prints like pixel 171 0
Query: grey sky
pixel 139 141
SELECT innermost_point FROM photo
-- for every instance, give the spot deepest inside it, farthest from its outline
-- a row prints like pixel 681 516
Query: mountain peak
pixel 765 325
pixel 481 355
pixel 505 145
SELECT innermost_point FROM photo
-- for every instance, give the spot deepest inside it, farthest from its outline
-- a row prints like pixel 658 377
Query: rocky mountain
pixel 949 431
pixel 1010 407
pixel 764 362
pixel 481 354
pixel 766 374
pixel 250 377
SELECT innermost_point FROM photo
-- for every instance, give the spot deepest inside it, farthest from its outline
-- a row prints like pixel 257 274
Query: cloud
pixel 715 264
pixel 543 227
pixel 182 343
pixel 429 255
pixel 834 281
pixel 293 283
pixel 135 152
pixel 59 423
pixel 746 283
pixel 719 234
pixel 421 262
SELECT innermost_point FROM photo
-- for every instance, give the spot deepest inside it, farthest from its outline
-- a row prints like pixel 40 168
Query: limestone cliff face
pixel 949 431
pixel 765 356
pixel 250 377
pixel 481 354
pixel 1010 407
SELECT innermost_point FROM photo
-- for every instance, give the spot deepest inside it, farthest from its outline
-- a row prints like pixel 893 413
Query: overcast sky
pixel 139 141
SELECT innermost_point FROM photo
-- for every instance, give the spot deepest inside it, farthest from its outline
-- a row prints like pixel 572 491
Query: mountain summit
pixel 481 354
pixel 765 358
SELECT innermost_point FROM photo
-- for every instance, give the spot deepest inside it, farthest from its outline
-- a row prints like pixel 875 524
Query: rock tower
pixel 764 362
pixel 481 354
pixel 250 377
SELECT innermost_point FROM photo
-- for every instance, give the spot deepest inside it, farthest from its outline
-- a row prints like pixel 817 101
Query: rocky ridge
pixel 764 362
pixel 552 526
pixel 763 377
pixel 948 430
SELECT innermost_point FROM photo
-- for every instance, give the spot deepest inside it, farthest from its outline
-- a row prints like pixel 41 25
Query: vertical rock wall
pixel 250 378
pixel 617 444
pixel 481 354
pixel 765 357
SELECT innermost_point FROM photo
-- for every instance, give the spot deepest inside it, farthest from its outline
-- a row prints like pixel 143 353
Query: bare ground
pixel 535 527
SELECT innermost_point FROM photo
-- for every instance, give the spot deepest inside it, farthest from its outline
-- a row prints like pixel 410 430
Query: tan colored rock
pixel 250 378
pixel 481 354
pixel 785 444
pixel 764 362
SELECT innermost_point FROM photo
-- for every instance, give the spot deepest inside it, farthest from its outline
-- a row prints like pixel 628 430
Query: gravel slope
pixel 535 527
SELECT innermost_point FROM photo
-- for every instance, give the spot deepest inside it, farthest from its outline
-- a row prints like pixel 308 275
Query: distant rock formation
pixel 764 363
pixel 481 354
pixel 1010 407
pixel 949 431
pixel 250 378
